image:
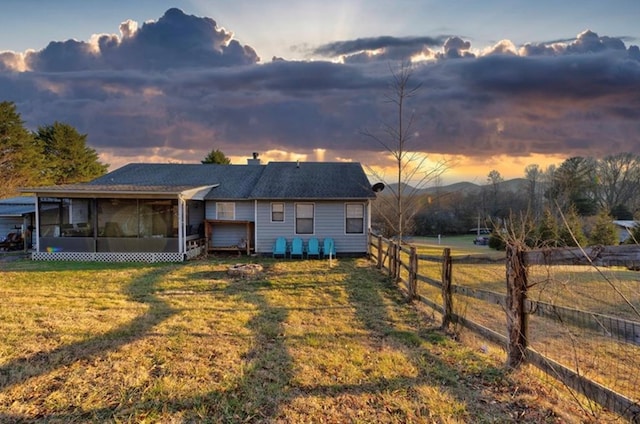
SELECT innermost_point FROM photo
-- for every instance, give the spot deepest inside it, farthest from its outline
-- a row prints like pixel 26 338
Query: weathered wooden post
pixel 380 259
pixel 398 261
pixel 447 296
pixel 516 296
pixel 413 273
pixel 391 250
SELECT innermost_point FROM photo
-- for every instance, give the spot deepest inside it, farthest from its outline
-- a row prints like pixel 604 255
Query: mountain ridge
pixel 512 185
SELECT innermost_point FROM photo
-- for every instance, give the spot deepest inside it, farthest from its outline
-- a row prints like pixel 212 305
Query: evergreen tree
pixel 216 156
pixel 571 230
pixel 20 157
pixel 547 231
pixel 604 231
pixel 68 159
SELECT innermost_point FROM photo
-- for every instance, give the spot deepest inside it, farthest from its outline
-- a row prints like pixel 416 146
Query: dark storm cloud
pixel 184 84
pixel 383 49
pixel 176 40
pixel 340 48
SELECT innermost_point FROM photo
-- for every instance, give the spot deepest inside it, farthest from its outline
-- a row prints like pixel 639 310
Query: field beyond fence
pixel 572 313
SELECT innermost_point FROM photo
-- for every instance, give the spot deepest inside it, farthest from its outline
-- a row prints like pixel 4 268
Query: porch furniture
pixel 313 248
pixel 328 248
pixel 280 247
pixel 297 248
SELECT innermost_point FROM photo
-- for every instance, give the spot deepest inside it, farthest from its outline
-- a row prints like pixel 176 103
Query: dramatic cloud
pixel 379 48
pixel 175 88
pixel 176 40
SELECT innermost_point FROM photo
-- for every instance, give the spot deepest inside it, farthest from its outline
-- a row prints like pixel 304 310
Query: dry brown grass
pixel 185 343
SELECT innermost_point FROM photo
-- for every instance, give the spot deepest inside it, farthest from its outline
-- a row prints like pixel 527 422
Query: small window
pixel 355 219
pixel 225 210
pixel 277 212
pixel 304 218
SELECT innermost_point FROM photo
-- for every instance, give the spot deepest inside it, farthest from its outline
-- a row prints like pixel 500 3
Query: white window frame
pixel 221 207
pixel 347 217
pixel 313 217
pixel 272 211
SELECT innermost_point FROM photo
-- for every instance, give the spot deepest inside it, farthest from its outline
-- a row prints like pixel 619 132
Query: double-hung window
pixel 225 210
pixel 304 218
pixel 354 219
pixel 277 212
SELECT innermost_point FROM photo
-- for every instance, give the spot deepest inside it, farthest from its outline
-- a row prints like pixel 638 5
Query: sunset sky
pixel 504 83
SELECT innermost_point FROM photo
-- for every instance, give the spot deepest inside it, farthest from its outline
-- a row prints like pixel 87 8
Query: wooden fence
pixel 394 258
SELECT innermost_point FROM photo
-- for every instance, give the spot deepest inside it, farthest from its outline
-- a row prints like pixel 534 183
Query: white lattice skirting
pixel 111 256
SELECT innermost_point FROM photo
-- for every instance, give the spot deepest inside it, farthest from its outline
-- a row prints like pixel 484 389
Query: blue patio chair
pixel 313 248
pixel 328 248
pixel 280 247
pixel 297 248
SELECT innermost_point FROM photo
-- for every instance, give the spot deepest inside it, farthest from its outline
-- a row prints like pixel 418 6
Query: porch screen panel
pixel 117 217
pixel 63 217
pixel 50 215
pixel 158 218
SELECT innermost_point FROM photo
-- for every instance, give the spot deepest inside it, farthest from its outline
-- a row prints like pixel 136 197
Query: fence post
pixel 380 252
pixel 392 251
pixel 447 296
pixel 397 259
pixel 413 273
pixel 515 301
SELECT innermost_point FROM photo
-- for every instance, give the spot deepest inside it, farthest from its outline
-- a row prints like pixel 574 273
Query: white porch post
pixel 181 225
pixel 37 229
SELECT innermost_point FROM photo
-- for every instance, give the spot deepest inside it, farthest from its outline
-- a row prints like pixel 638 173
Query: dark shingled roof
pixel 277 180
pixel 313 180
pixel 235 181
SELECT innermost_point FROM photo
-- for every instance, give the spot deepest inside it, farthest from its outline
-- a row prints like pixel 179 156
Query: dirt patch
pixel 244 270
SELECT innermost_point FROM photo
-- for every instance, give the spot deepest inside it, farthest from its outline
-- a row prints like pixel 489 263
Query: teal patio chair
pixel 280 247
pixel 328 248
pixel 297 248
pixel 313 248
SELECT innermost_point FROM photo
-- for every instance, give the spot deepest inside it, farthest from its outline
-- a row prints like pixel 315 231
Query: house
pixel 625 228
pixel 173 212
pixel 17 215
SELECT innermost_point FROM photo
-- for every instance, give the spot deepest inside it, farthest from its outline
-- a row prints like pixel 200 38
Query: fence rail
pixel 402 262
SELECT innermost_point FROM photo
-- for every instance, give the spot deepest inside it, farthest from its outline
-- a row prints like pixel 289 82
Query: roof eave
pixel 196 193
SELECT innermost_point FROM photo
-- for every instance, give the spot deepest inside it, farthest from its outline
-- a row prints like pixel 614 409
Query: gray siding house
pixel 174 212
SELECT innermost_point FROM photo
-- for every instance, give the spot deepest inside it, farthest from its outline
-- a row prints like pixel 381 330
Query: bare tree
pixel 618 178
pixel 399 208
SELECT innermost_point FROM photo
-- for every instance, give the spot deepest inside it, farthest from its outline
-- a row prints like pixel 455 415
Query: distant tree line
pixel 574 203
pixel 54 154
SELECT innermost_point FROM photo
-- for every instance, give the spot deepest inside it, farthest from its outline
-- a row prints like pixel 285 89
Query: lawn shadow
pixel 370 298
pixel 260 390
pixel 141 289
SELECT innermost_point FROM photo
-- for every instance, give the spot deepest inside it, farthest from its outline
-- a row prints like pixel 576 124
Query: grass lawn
pixel 301 342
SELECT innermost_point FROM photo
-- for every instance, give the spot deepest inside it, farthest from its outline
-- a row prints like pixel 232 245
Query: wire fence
pixel 580 323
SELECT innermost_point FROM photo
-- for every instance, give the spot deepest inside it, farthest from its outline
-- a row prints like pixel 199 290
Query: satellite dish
pixel 378 187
